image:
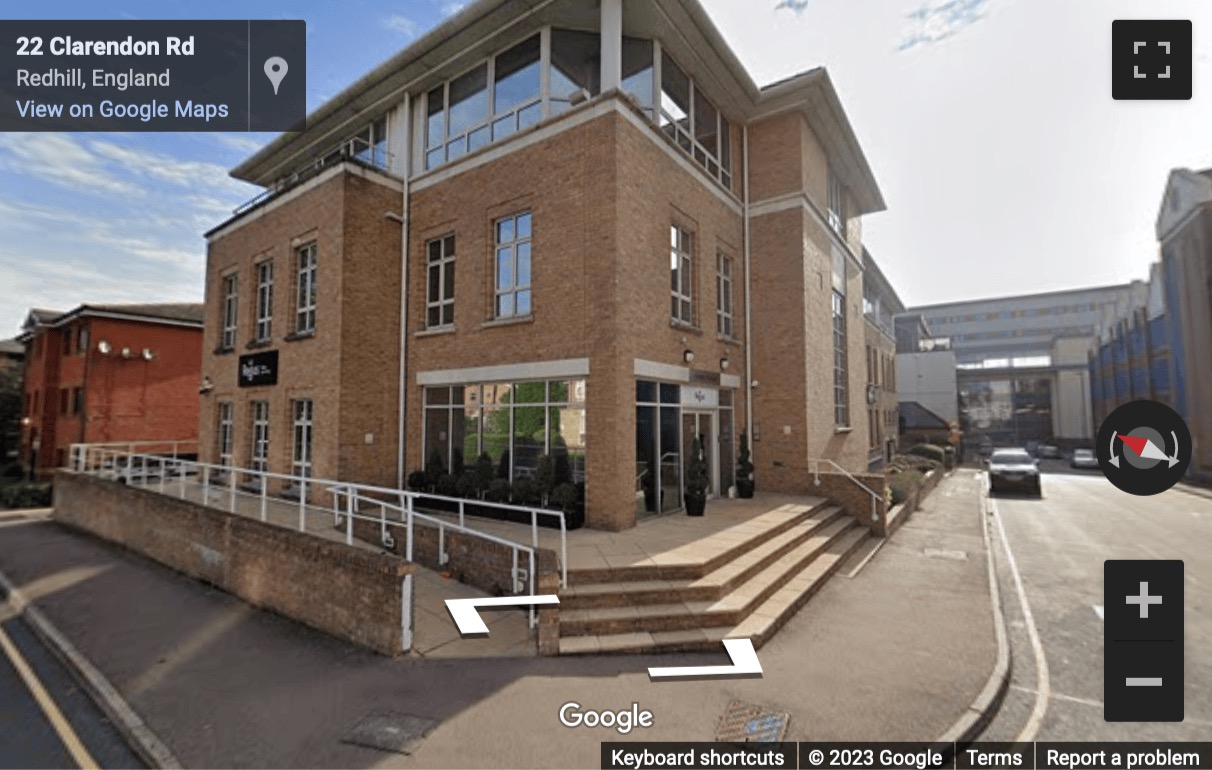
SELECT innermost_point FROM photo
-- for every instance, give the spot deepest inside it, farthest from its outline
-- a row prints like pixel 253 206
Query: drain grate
pixel 748 723
pixel 390 731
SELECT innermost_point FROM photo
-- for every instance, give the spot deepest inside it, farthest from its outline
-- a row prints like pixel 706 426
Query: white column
pixel 612 44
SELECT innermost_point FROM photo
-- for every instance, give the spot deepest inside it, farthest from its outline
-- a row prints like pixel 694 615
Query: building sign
pixel 259 369
pixel 704 398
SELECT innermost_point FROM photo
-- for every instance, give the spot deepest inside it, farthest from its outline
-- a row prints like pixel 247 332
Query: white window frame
pixel 681 268
pixel 265 300
pixel 226 433
pixel 515 288
pixel 841 374
pixel 259 460
pixel 302 413
pixel 231 309
pixel 724 310
pixel 446 297
pixel 306 298
pixel 716 163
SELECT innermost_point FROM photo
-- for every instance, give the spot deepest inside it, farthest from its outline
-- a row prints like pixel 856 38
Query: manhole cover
pixel 746 723
pixel 935 553
pixel 390 731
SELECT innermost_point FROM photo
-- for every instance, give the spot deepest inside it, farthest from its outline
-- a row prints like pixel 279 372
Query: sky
pixel 989 124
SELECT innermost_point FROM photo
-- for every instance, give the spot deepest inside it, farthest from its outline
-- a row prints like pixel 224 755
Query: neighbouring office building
pixel 1022 368
pixel 880 307
pixel 106 374
pixel 1131 359
pixel 574 228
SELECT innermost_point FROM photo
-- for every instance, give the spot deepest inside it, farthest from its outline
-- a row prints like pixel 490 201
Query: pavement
pixel 896 648
pixel 1058 545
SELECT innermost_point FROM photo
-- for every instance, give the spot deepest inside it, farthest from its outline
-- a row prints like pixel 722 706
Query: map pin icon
pixel 275 70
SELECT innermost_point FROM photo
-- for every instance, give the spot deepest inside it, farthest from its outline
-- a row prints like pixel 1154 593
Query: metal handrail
pixel 875 496
pixel 462 504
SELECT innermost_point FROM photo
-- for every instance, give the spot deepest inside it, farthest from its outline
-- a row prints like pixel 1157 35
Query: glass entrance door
pixel 701 425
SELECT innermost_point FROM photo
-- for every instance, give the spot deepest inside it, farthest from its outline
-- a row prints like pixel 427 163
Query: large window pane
pixel 469 100
pixel 637 71
pixel 496 434
pixel 647 460
pixel 706 123
pixel 529 434
pixel 437 440
pixel 575 66
pixel 517 76
pixel 436 130
pixel 675 101
pixel 671 460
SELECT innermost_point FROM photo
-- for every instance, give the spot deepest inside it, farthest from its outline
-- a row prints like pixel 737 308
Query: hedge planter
pixel 695 505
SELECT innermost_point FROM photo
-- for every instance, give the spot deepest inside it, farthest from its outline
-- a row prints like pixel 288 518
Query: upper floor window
pixel 226 429
pixel 680 262
pixel 694 122
pixel 368 145
pixel 837 204
pixel 465 114
pixel 67 341
pixel 82 340
pixel 305 305
pixel 265 301
pixel 513 266
pixel 439 303
pixel 230 310
pixel 723 308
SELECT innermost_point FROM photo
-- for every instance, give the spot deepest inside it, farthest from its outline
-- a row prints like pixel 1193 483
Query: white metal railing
pixel 875 496
pixel 368 493
pixel 173 475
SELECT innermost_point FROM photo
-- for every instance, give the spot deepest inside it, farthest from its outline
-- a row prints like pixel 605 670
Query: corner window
pixel 576 70
pixel 694 122
pixel 680 282
pixel 67 342
pixel 302 426
pixel 230 310
pixel 82 340
pixel 224 437
pixel 305 307
pixel 439 305
pixel 517 91
pixel 723 306
pixel 841 397
pixel 513 266
pixel 837 204
pixel 638 72
pixel 265 301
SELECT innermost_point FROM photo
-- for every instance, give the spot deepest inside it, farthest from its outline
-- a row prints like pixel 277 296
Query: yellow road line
pixel 66 734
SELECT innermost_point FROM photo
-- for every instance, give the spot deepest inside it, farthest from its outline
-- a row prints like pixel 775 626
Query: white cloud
pixel 59 158
pixel 796 6
pixel 239 142
pixel 941 19
pixel 451 8
pixel 400 23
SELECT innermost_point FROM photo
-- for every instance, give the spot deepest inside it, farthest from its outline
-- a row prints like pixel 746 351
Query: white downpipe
pixel 749 417
pixel 401 427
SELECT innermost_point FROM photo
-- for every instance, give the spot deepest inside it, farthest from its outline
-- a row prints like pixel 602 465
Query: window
pixel 368 145
pixel 67 341
pixel 575 67
pixel 513 266
pixel 302 422
pixel 439 305
pixel 82 340
pixel 225 434
pixel 681 303
pixel 305 308
pixel 517 91
pixel 694 122
pixel 841 402
pixel 260 436
pixel 63 400
pixel 77 400
pixel 265 300
pixel 637 72
pixel 723 305
pixel 837 204
pixel 230 309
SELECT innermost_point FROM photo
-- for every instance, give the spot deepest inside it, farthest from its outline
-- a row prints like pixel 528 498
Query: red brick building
pixel 108 373
pixel 577 229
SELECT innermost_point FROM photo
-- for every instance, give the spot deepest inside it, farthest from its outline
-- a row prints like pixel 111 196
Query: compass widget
pixel 1144 448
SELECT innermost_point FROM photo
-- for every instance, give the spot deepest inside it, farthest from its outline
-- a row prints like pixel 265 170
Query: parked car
pixel 1083 458
pixel 986 447
pixel 1014 468
pixel 1033 448
pixel 1049 452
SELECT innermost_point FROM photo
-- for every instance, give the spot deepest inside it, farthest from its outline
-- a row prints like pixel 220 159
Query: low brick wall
pixel 901 513
pixel 349 593
pixel 471 560
pixel 842 490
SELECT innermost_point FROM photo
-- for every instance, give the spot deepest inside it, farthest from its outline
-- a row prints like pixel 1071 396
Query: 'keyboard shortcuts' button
pixel 1143 641
pixel 1151 59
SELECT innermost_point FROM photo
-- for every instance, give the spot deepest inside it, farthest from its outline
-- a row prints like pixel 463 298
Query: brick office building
pixel 583 197
pixel 108 373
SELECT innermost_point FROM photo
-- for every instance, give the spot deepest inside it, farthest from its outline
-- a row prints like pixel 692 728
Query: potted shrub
pixel 744 471
pixel 698 479
pixel 484 473
pixel 565 498
pixel 545 478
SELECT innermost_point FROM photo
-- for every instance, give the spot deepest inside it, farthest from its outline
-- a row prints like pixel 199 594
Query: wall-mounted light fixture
pixel 148 354
pixel 207 386
pixel 126 353
pixel 104 348
pixel 725 363
pixel 688 356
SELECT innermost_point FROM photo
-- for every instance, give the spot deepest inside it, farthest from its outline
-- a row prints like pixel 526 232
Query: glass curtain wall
pixel 658 451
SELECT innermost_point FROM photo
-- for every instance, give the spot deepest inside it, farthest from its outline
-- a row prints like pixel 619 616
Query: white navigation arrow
pixel 463 611
pixel 744 663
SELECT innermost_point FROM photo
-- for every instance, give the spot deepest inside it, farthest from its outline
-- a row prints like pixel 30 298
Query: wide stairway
pixel 744 581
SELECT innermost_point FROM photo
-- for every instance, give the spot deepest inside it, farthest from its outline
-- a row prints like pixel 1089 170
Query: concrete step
pixel 728 610
pixel 698 558
pixel 764 620
pixel 713 585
